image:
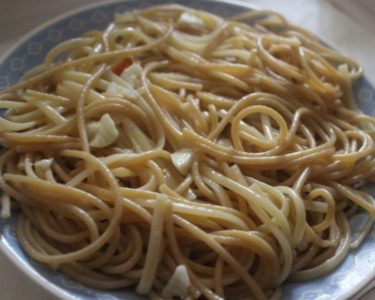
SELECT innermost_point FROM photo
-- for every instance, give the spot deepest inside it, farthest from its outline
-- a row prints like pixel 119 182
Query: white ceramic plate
pixel 346 281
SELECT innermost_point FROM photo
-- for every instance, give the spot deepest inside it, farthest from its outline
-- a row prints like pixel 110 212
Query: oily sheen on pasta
pixel 188 156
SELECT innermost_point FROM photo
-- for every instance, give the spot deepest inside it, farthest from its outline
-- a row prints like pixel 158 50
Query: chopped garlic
pixel 183 160
pixel 92 128
pixel 178 285
pixel 44 164
pixel 225 142
pixel 190 20
pixel 132 75
pixel 106 134
pixel 190 195
pixel 130 80
pixel 123 91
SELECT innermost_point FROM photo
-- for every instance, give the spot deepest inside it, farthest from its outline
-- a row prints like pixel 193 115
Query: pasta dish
pixel 188 156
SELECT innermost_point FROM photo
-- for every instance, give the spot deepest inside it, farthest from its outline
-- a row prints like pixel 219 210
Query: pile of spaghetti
pixel 188 156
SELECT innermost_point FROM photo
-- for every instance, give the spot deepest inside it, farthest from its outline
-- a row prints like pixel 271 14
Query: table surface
pixel 18 17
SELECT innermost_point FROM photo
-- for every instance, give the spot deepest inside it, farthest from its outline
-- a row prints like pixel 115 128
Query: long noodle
pixel 187 155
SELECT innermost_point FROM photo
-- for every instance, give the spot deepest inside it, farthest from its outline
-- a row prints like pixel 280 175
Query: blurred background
pixel 348 25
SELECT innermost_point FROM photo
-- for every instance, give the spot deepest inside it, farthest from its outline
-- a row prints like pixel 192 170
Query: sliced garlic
pixel 178 285
pixel 106 134
pixel 183 160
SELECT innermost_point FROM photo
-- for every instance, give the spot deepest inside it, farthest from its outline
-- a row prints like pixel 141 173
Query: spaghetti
pixel 188 156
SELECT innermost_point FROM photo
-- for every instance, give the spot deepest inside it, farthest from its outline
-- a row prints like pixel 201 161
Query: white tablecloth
pixel 347 24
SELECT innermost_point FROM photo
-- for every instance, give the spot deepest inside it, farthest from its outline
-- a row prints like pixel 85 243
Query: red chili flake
pixel 122 65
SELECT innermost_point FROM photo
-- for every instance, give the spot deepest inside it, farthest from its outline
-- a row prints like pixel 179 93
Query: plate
pixel 345 282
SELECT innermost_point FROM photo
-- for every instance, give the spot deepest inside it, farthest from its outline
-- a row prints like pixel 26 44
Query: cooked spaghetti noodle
pixel 188 156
